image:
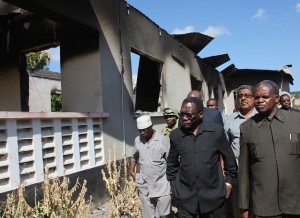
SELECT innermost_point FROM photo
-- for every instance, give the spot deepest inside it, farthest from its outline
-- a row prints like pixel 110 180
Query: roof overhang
pixel 233 71
pixel 194 41
pixel 218 60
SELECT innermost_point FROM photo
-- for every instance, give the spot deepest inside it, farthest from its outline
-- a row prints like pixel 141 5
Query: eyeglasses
pixel 244 95
pixel 189 115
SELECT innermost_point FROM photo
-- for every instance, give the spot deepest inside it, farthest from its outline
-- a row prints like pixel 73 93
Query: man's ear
pixel 277 99
pixel 201 114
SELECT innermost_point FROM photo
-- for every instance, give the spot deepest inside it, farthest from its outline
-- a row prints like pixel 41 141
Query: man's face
pixel 170 120
pixel 245 99
pixel 265 101
pixel 190 116
pixel 146 133
pixel 285 102
pixel 212 104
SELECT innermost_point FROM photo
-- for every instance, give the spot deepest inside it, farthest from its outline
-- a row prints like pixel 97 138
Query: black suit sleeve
pixel 244 191
pixel 172 160
pixel 219 118
pixel 212 116
pixel 230 165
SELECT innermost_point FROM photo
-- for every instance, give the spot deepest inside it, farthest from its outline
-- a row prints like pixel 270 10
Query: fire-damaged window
pixel 196 84
pixel 148 85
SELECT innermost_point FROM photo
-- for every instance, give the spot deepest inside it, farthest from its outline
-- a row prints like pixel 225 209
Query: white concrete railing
pixel 64 142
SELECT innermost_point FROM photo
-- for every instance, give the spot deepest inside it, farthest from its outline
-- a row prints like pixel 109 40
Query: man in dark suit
pixel 269 175
pixel 209 114
pixel 193 167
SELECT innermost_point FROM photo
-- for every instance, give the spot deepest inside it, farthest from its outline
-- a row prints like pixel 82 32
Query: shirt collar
pixel 238 114
pixel 174 127
pixel 155 138
pixel 278 116
pixel 201 129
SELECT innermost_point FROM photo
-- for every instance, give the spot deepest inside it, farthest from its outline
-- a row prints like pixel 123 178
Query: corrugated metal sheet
pixel 231 71
pixel 218 60
pixel 194 41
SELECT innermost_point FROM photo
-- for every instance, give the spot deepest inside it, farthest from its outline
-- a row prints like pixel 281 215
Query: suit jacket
pixel 269 164
pixel 294 109
pixel 194 169
pixel 212 116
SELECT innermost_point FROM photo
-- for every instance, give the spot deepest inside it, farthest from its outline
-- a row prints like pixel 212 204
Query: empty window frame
pixel 148 85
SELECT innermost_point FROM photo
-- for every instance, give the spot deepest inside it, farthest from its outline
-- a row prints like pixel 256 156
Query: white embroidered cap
pixel 143 122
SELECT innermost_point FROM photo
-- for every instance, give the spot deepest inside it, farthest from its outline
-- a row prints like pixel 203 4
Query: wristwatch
pixel 228 184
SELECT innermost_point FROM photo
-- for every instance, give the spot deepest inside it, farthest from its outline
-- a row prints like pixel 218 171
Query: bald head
pixel 195 94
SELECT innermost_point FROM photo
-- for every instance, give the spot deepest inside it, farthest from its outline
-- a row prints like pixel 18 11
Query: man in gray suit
pixel 269 175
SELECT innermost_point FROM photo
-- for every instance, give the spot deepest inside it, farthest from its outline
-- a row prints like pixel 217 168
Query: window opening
pixel 56 101
pixel 135 59
pixel 43 70
pixel 196 84
pixel 148 85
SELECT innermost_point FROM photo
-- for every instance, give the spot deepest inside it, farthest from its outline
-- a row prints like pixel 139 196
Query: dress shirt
pixel 232 130
pixel 152 163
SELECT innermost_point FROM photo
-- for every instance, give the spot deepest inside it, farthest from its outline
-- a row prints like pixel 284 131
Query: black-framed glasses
pixel 244 95
pixel 188 115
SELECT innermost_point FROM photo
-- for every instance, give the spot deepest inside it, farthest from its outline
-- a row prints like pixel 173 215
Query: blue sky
pixel 256 34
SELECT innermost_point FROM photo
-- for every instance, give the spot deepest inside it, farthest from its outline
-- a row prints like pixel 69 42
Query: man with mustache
pixel 148 168
pixel 269 175
pixel 245 98
pixel 193 166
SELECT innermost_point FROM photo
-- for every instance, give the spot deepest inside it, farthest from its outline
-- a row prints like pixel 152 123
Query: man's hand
pixel 222 165
pixel 132 174
pixel 228 189
pixel 132 169
pixel 244 213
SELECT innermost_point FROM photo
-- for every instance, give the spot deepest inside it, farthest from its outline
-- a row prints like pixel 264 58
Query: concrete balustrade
pixel 65 143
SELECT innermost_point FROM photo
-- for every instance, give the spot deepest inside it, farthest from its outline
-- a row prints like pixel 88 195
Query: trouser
pixel 233 210
pixel 156 207
pixel 219 212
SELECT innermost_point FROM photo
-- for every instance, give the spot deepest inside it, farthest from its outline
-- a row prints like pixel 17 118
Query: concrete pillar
pixel 81 76
pixel 10 89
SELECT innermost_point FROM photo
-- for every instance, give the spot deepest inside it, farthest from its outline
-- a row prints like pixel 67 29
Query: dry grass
pixel 122 190
pixel 57 201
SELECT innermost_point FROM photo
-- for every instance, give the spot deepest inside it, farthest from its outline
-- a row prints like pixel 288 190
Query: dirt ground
pixel 101 211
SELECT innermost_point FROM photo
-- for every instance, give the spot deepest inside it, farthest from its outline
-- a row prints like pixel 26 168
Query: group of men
pixel 206 165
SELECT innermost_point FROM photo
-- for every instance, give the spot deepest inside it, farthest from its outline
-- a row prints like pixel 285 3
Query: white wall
pixel 40 93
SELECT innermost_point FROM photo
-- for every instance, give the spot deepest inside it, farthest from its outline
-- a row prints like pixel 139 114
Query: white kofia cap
pixel 143 122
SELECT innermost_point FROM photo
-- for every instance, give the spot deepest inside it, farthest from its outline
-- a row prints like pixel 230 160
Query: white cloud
pixel 216 31
pixel 211 30
pixel 55 53
pixel 186 29
pixel 298 7
pixel 260 14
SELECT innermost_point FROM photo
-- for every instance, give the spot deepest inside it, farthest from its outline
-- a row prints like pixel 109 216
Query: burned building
pixel 96 40
pixel 99 103
pixel 234 77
